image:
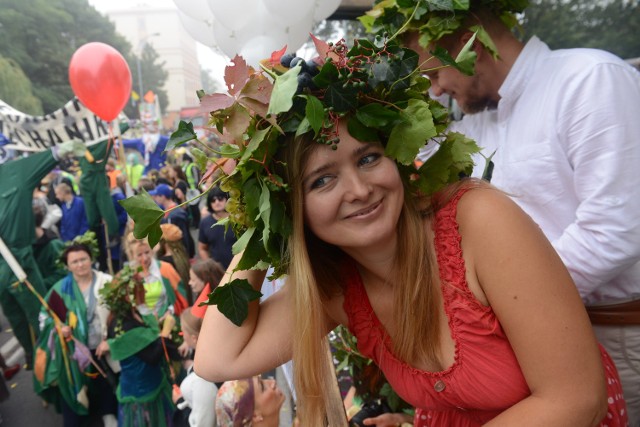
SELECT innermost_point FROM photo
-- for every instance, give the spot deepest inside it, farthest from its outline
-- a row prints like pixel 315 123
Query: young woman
pixel 164 290
pixel 249 402
pixel 459 299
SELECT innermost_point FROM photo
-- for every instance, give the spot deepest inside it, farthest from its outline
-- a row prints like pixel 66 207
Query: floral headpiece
pixel 434 19
pixel 88 239
pixel 375 85
pixel 124 292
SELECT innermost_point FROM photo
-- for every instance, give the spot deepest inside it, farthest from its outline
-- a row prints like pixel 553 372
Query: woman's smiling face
pixel 353 195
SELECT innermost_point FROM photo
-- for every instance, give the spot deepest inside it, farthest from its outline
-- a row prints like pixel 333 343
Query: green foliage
pixel 42 35
pixel 233 299
pixel 89 239
pixel 375 85
pixel 16 89
pixel 146 216
pixel 611 25
pixel 435 19
pixel 123 293
pixel 368 379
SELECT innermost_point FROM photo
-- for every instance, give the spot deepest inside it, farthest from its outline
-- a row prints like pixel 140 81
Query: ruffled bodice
pixel 485 378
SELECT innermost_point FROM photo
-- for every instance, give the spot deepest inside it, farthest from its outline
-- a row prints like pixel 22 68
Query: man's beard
pixel 476 102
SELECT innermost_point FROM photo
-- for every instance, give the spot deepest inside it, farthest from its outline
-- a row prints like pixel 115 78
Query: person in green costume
pixel 18 179
pixel 73 333
pixel 135 340
pixel 47 249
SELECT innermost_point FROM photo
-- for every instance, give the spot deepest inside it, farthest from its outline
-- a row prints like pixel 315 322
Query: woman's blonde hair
pixel 315 268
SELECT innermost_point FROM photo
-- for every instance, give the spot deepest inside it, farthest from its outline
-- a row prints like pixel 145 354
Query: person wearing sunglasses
pixel 216 242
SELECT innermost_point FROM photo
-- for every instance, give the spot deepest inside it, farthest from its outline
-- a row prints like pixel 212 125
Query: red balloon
pixel 101 79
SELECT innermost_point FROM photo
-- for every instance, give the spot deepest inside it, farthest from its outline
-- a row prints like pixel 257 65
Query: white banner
pixel 37 133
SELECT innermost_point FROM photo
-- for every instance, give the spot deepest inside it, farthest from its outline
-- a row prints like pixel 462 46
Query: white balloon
pixel 196 9
pixel 289 10
pixel 229 41
pixel 324 9
pixel 258 48
pixel 233 14
pixel 201 31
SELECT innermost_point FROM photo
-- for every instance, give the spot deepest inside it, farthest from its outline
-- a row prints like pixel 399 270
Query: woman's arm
pixel 263 341
pixel 539 308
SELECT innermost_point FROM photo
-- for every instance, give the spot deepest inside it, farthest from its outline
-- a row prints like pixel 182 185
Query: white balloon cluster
pixel 252 28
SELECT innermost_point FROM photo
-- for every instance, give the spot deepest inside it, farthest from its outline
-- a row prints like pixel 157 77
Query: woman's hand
pixel 66 331
pixel 102 349
pixel 183 350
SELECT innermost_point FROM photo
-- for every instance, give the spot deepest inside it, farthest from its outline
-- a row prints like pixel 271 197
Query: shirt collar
pixel 521 73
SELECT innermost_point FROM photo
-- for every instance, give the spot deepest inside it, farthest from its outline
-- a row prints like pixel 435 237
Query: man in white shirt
pixel 565 129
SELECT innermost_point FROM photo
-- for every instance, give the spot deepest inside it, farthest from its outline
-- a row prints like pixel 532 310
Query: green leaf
pixel 253 253
pixel 341 98
pixel 485 39
pixel 231 151
pixel 466 59
pixel 254 143
pixel 200 158
pixel 445 165
pixel 303 127
pixel 376 116
pixel 412 133
pixel 242 242
pixel 361 132
pixel 265 214
pixel 284 89
pixel 233 299
pixel 146 216
pixel 185 133
pixel 314 112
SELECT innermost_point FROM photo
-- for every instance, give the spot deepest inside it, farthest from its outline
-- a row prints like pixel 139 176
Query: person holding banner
pixel 72 336
pixel 18 179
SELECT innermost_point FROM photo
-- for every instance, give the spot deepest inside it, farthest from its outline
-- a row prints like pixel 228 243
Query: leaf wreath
pixel 375 85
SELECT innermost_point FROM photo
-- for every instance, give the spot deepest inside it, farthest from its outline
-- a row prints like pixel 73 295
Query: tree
pixel 16 90
pixel 153 78
pixel 209 84
pixel 42 35
pixel 611 25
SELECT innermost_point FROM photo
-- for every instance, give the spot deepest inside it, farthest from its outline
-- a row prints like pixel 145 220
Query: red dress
pixel 485 378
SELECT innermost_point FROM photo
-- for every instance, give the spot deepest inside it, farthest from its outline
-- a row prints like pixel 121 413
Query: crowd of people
pixel 509 302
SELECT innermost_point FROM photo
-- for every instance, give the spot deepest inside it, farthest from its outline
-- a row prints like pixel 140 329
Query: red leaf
pixel 275 56
pixel 258 88
pixel 236 75
pixel 323 49
pixel 216 101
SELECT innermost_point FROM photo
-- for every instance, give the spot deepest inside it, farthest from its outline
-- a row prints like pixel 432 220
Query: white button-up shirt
pixel 566 136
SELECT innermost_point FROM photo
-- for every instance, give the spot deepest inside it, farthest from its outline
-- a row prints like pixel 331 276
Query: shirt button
pixel 439 386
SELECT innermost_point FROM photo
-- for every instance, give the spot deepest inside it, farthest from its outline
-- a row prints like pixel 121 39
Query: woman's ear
pixel 257 417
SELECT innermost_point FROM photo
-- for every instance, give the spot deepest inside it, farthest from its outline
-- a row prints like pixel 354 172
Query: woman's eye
pixel 369 158
pixel 320 182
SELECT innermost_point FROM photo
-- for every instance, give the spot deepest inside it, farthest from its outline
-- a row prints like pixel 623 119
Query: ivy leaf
pixel 303 127
pixel 341 99
pixel 230 151
pixel 183 134
pixel 412 133
pixel 253 254
pixel 284 89
pixel 146 216
pixel 314 112
pixel 233 299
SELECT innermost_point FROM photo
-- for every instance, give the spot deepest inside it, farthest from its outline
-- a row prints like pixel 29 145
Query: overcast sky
pixel 207 58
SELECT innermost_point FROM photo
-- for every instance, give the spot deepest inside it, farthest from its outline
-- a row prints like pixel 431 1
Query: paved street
pixel 23 408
